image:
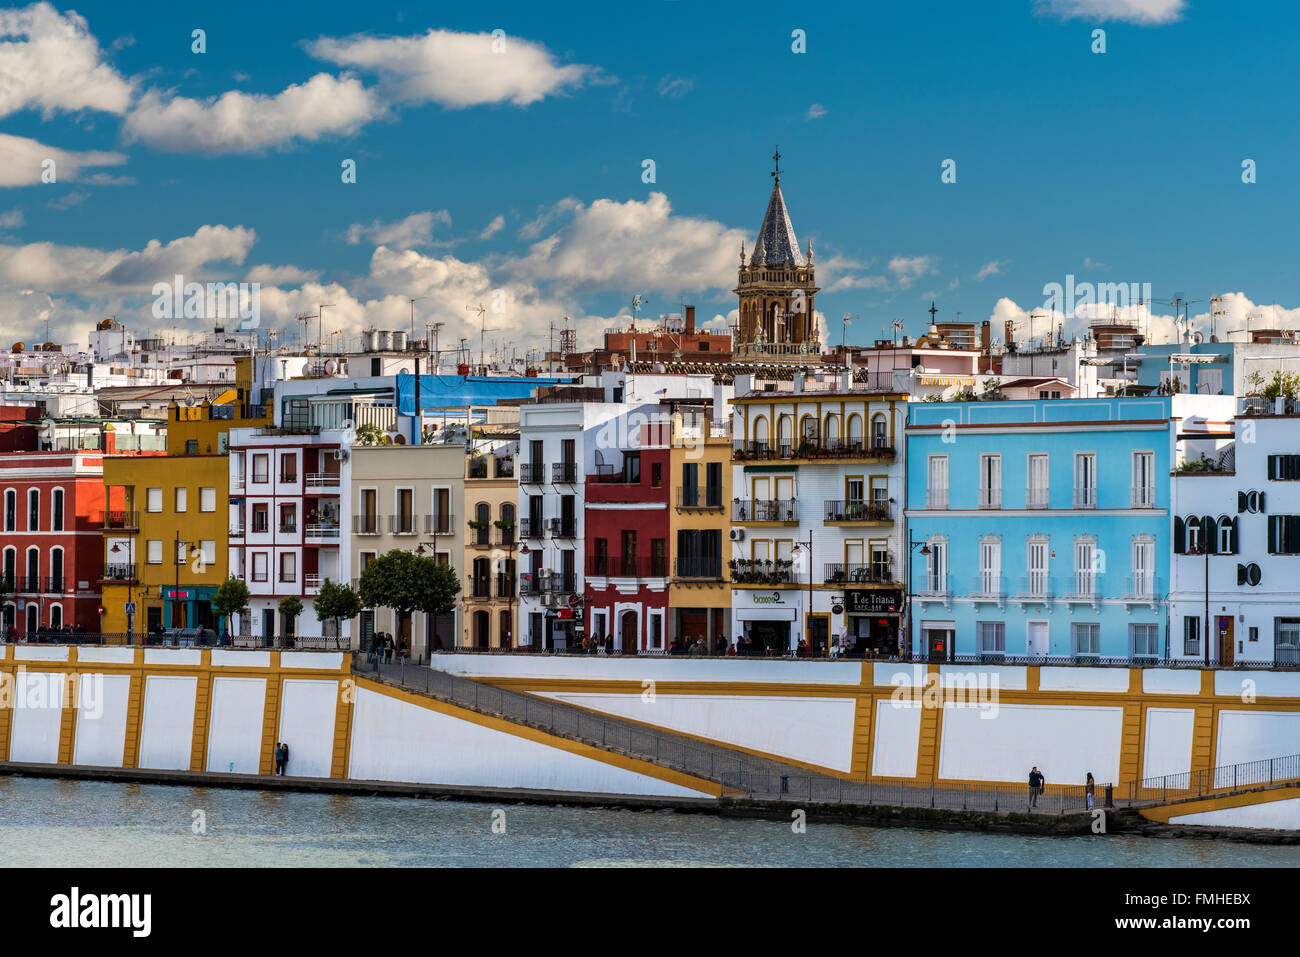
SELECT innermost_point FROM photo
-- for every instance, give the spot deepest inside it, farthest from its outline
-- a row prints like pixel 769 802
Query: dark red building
pixel 626 525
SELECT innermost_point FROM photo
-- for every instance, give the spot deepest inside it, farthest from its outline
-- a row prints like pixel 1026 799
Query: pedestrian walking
pixel 1036 781
pixel 279 757
pixel 1090 790
pixel 284 764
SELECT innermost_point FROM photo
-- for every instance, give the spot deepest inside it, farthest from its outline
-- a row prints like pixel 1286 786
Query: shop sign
pixel 875 601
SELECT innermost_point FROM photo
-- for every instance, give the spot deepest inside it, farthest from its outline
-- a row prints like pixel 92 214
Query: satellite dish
pixel 331 367
pixel 18 347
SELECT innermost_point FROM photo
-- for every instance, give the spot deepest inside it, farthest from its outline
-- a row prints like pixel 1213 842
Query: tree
pixel 231 599
pixel 290 608
pixel 406 582
pixel 337 602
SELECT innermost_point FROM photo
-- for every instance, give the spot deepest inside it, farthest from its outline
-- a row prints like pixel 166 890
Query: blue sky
pixel 521 171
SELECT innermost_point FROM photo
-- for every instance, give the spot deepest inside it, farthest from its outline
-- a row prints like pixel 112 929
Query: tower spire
pixel 776 159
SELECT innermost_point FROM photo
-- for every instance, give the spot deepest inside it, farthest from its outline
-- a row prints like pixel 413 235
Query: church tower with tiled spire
pixel 777 288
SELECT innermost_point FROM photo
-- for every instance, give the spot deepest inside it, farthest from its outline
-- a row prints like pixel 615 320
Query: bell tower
pixel 777 289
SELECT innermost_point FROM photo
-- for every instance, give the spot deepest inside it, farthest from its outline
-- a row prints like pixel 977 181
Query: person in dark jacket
pixel 609 643
pixel 1036 781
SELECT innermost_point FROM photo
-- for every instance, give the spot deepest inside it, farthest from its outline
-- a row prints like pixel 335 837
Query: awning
pixel 764 614
pixel 947 380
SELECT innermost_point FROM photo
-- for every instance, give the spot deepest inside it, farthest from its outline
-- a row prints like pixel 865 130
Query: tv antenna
pixel 413 302
pixel 481 311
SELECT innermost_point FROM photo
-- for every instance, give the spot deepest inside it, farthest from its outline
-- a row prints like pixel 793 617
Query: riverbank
pixel 1118 821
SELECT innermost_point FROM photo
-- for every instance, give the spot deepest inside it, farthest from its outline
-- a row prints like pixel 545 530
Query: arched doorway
pixel 32 618
pixel 481 624
pixel 628 624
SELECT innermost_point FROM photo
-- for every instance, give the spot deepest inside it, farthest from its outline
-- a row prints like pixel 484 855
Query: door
pixel 1226 646
pixel 1037 641
pixel 784 499
pixel 819 629
pixel 627 630
pixel 1037 584
pixel 268 625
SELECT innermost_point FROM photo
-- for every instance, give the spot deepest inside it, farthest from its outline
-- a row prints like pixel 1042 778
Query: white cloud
pixel 535 227
pixel 498 223
pixel 414 230
pixel 52 62
pixel 12 219
pixel 675 87
pixel 238 122
pixel 21 159
pixel 68 200
pixel 816 112
pixel 456 70
pixel 907 269
pixel 990 269
pixel 269 275
pixel 634 246
pixel 1141 12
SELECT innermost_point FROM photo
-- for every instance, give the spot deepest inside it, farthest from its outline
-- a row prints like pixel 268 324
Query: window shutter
pixel 1272 535
pixel 1241 574
pixel 1241 502
pixel 1260 505
pixel 1210 534
pixel 1235 525
pixel 1180 536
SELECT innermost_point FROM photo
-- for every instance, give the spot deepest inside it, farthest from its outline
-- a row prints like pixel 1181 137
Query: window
pixel 690 484
pixel 1086 636
pixel 1283 534
pixel 1191 635
pixel 936 490
pixel 153 500
pixel 1036 494
pixel 1144 640
pixel 1085 567
pixel 208 551
pixel 56 510
pixel 191 446
pixel 207 500
pixel 656 475
pixel 632 469
pixel 153 552
pixel 879 432
pixel 936 567
pixel 11 510
pixel 1284 468
pixel 405 501
pixel 1144 480
pixel 1253 633
pixel 1227 535
pixel 1037 563
pixel 1085 480
pixel 990 578
pixel 1144 556
pixel 181 499
pixel 992 637
pixel 182 552
pixel 288 566
pixel 56 569
pixel 713 486
pixel 288 467
pixel 1286 644
pixel 261 468
pixel 33 510
pixel 656 621
pixel 259 566
pixel 990 481
pixel 368 521
pixel 289 518
pixel 261 517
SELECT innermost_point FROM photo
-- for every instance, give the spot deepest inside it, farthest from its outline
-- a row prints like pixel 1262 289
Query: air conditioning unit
pixel 340 455
pixel 737 534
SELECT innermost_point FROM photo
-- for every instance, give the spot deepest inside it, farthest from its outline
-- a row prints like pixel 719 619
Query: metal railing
pixel 1035 587
pixel 365 524
pixel 1037 497
pixel 561 527
pixel 1144 496
pixel 988 585
pixel 402 524
pixel 322 479
pixel 755 571
pixel 1085 497
pixel 837 511
pixel 118 571
pixel 854 573
pixel 933 587
pixel 530 528
pixel 1265 772
pixel 322 530
pixel 695 566
pixel 532 473
pixel 627 566
pixel 990 497
pixel 709 496
pixel 439 524
pixel 121 519
pixel 566 472
pixel 765 510
pixel 936 497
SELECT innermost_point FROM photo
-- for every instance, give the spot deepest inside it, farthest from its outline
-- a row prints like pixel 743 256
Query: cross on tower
pixel 932 311
pixel 776 158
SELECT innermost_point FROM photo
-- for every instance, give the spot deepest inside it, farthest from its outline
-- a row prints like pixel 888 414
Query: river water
pixel 73 823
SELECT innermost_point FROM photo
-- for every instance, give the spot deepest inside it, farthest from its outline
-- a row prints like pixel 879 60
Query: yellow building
pixel 491 494
pixel 700 465
pixel 165 549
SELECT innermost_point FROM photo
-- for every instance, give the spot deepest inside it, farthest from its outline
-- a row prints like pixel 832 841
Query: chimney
pixel 984 336
pixel 846 378
pixel 690 320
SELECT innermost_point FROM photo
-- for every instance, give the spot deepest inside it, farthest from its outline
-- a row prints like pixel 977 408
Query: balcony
pixel 311 583
pixel 29 584
pixel 439 524
pixel 1142 590
pixel 121 519
pixel 702 498
pixel 288 528
pixel 505 586
pixel 505 536
pixel 773 511
pixel 988 587
pixel 478 468
pixel 855 573
pixel 1085 497
pixel 561 527
pixel 119 572
pixel 530 528
pixel 480 587
pixel 936 498
pixel 1034 588
pixel 365 524
pixel 707 568
pixel 990 497
pixel 54 584
pixel 322 532
pixel 1083 588
pixel 934 587
pixel 1144 496
pixel 880 512
pixel 402 524
pixel 478 533
pixel 236 531
pixel 319 480
pixel 564 472
pixel 623 566
pixel 810 450
pixel 530 584
pixel 1036 498
pixel 532 473
pixel 756 571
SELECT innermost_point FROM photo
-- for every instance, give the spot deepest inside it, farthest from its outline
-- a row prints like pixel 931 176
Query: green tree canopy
pixel 406 582
pixel 337 602
pixel 231 599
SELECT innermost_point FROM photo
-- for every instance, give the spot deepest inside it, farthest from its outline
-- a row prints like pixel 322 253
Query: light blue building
pixel 1040 528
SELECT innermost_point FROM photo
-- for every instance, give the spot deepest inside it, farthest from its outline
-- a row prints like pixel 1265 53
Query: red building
pixel 626 525
pixel 51 538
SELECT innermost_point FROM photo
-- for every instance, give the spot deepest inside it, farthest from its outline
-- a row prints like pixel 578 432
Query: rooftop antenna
pixel 637 303
pixel 432 330
pixel 320 323
pixel 481 311
pixel 302 339
pixel 413 302
pixel 844 328
pixel 1216 309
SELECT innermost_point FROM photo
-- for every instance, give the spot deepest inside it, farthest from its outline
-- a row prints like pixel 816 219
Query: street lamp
pixel 799 550
pixel 912 545
pixel 130 599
